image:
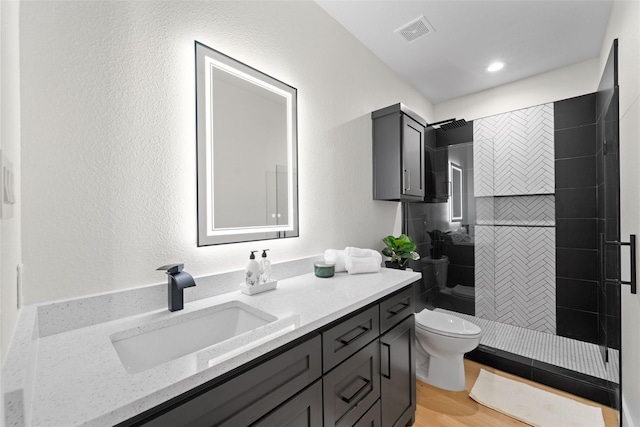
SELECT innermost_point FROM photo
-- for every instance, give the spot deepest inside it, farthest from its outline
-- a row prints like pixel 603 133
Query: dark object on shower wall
pixel 448 124
pixel 439 240
pixel 458 135
pixel 439 143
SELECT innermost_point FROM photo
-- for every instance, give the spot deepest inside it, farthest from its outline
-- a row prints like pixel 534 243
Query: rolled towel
pixel 337 257
pixel 357 265
pixel 362 253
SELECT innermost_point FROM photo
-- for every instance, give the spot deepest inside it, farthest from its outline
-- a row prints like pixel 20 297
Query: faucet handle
pixel 172 268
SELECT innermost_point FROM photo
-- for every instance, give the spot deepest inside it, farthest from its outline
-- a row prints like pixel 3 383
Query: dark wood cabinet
pixel 398 154
pixel 245 398
pixel 349 336
pixel 398 376
pixel 304 410
pixel 352 387
pixel 371 418
pixel 396 308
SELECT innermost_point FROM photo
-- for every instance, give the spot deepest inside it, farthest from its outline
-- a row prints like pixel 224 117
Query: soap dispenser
pixel 252 270
pixel 265 267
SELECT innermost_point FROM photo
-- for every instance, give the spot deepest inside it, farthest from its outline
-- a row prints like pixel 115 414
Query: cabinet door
pixel 398 374
pixel 245 398
pixel 412 158
pixel 303 410
pixel 352 387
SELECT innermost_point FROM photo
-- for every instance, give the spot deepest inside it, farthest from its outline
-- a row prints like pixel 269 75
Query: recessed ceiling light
pixel 496 66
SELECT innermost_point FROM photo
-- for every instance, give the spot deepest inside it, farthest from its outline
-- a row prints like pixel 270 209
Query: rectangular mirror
pixel 247 152
pixel 455 203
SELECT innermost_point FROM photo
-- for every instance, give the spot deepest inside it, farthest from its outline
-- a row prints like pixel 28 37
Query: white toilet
pixel 441 342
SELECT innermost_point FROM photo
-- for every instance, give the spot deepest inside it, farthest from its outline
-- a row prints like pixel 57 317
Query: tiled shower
pixel 531 219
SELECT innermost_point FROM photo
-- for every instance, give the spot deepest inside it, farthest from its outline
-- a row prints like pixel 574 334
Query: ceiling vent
pixel 415 29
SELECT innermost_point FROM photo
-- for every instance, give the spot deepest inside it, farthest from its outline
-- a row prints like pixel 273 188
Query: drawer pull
pixel 358 384
pixel 385 360
pixel 397 308
pixel 353 334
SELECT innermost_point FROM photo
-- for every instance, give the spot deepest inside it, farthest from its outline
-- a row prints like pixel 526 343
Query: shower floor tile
pixel 567 353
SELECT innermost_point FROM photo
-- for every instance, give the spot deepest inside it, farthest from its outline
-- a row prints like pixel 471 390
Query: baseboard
pixel 626 420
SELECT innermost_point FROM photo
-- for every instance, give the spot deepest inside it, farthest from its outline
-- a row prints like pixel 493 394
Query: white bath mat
pixel 532 405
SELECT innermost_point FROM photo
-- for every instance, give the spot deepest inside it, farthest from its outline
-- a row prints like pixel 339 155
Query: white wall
pixel 567 82
pixel 108 135
pixel 624 24
pixel 10 252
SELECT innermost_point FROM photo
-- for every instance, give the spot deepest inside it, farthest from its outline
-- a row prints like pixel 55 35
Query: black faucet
pixel 178 280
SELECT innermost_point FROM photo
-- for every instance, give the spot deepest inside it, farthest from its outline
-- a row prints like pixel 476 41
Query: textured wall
pixel 108 135
pixel 10 243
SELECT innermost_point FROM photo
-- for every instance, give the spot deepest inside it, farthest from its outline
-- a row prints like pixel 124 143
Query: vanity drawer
pixel 352 387
pixel 245 398
pixel 349 336
pixel 395 308
pixel 302 410
pixel 371 418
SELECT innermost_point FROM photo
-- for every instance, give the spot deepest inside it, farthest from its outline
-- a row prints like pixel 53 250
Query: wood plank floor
pixel 440 408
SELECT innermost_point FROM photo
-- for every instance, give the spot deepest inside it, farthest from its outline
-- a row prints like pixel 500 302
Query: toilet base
pixel 447 374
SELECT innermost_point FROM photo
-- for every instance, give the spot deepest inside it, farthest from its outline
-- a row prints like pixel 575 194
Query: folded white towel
pixel 362 253
pixel 357 265
pixel 337 257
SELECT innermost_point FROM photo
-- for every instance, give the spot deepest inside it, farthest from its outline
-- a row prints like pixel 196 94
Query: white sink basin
pixel 158 342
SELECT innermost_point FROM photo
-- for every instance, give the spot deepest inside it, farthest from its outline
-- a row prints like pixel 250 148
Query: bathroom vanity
pixel 358 370
pixel 339 352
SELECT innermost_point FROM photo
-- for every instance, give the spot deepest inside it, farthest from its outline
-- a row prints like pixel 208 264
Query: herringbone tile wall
pixel 515 254
pixel 525 277
pixel 515 276
pixel 522 157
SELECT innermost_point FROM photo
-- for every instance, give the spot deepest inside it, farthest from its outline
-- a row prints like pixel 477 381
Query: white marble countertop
pixel 75 377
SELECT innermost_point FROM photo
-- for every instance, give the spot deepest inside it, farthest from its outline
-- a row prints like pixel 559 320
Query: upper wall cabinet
pixel 398 154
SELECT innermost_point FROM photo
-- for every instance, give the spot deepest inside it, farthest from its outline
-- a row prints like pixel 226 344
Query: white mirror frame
pixel 206 59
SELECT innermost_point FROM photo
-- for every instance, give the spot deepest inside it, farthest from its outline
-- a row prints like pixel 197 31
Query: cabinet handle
pixel 397 308
pixel 358 331
pixel 407 179
pixel 359 383
pixel 385 361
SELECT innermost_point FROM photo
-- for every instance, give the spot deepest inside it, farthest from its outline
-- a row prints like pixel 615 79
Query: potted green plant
pixel 439 240
pixel 401 249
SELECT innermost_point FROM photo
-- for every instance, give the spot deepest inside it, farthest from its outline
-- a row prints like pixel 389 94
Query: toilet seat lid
pixel 446 324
